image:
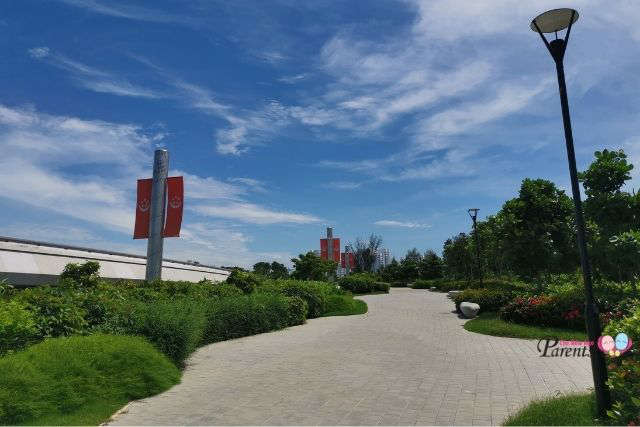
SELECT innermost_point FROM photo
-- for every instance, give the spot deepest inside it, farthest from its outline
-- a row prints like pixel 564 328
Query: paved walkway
pixel 408 361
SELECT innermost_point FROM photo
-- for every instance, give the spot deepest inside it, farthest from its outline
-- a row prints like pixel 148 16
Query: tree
pixel 430 266
pixel 457 258
pixel 310 266
pixel 365 253
pixel 391 272
pixel 538 229
pixel 278 271
pixel 262 268
pixel 275 270
pixel 610 212
pixel 607 205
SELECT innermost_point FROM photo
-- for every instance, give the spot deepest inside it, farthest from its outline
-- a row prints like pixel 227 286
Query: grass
pixel 80 379
pixel 570 410
pixel 490 324
pixel 83 380
pixel 344 305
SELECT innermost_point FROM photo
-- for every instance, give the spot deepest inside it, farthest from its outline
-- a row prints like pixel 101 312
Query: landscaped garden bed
pixel 75 352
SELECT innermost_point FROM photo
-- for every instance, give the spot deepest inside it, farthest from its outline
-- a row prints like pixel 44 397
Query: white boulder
pixel 469 309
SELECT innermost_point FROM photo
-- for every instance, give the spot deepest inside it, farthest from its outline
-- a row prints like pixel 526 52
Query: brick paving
pixel 407 361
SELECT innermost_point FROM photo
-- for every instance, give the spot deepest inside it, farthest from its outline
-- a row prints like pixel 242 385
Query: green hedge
pixel 398 284
pixel 245 281
pixel 174 327
pixel 344 305
pixel 422 284
pixel 488 299
pixel 315 294
pixel 362 283
pixel 252 314
pixel 81 379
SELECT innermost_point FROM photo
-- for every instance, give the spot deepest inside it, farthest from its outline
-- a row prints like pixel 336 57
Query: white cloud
pixel 401 224
pixel 343 185
pixel 254 214
pixel 130 12
pixel 507 100
pixel 293 79
pixel 92 78
pixel 41 153
pixel 250 183
pixel 39 52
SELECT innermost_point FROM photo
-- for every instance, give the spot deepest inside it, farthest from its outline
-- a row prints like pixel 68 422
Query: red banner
pixel 324 249
pixel 352 260
pixel 143 205
pixel 342 260
pixel 175 202
pixel 336 249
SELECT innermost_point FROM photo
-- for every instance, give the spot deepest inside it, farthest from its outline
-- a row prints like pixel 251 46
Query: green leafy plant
pixel 245 281
pixel 488 299
pixel 17 326
pixel 624 373
pixel 85 274
pixel 362 283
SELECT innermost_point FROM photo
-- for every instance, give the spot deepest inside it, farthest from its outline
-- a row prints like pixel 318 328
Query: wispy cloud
pixel 254 214
pixel 41 151
pixel 293 79
pixel 401 224
pixel 252 184
pixel 343 185
pixel 92 78
pixel 126 11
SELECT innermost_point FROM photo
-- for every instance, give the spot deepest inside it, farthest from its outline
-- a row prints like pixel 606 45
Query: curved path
pixel 408 361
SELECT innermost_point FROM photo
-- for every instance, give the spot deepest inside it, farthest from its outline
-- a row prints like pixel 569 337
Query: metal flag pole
pixel 157 213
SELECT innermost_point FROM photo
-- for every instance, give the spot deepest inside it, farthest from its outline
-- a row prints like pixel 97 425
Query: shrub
pixel 85 275
pixel 313 293
pixel 175 327
pixel 56 313
pixel 17 326
pixel 245 281
pixel 362 283
pixel 488 299
pixel 223 290
pixel 624 373
pixel 230 318
pixel 61 380
pixel 398 284
pixel 344 305
pixel 381 287
pixel 545 310
pixel 422 284
pixel 297 310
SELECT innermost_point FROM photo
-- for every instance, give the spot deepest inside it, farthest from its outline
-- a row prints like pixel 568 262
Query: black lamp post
pixel 473 213
pixel 553 21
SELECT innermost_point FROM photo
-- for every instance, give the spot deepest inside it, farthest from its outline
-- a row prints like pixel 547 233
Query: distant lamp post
pixel 473 213
pixel 553 21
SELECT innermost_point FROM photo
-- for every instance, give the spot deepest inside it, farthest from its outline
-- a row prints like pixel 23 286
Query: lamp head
pixel 554 20
pixel 473 213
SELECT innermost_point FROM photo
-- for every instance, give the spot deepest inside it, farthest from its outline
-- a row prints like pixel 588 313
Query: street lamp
pixel 553 21
pixel 473 213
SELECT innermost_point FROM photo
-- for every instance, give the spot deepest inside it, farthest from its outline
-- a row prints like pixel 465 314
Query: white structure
pixel 29 263
pixel 383 258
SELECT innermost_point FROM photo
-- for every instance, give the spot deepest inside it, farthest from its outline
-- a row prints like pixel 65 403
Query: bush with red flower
pixel 624 373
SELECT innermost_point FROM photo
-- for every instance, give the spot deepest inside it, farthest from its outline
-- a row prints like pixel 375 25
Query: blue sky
pixel 391 116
